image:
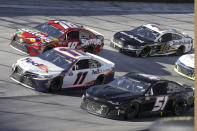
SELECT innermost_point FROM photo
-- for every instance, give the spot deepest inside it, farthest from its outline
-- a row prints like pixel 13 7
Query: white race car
pixel 185 66
pixel 62 68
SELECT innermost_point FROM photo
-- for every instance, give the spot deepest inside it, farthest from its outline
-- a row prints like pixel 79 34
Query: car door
pixel 156 98
pixel 80 74
pixel 71 39
pixel 164 43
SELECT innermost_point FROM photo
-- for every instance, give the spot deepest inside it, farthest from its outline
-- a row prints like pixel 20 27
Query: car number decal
pixel 72 45
pixel 164 47
pixel 80 78
pixel 160 103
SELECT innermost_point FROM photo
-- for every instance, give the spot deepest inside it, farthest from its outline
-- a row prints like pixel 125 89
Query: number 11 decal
pixel 160 103
pixel 80 78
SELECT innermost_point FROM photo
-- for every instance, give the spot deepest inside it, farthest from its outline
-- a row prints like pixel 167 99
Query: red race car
pixel 34 41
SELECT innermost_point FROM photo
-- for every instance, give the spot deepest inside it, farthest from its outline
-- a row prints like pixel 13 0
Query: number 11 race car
pixel 61 68
pixel 150 40
pixel 46 36
pixel 136 94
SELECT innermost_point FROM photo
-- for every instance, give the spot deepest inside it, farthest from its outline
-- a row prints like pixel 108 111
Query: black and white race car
pixel 137 94
pixel 152 39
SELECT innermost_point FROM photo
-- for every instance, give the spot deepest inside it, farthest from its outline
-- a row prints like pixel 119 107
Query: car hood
pixel 38 66
pixel 33 35
pixel 187 60
pixel 111 93
pixel 129 38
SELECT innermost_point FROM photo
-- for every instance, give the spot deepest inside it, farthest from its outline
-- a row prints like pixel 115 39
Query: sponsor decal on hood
pixel 131 39
pixel 35 35
pixel 38 66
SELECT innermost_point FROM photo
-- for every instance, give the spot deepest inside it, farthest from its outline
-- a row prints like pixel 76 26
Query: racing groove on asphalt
pixel 25 109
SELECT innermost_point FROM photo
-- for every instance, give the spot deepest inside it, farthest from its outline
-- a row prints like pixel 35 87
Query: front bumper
pixel 28 80
pixel 127 51
pixel 102 109
pixel 184 70
pixel 26 48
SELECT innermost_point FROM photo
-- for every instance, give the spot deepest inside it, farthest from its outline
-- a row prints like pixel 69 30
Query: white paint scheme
pixel 106 67
pixel 187 60
pixel 71 75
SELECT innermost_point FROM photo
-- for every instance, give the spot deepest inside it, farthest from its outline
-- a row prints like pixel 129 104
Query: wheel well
pixel 148 48
pixel 101 77
pixel 182 47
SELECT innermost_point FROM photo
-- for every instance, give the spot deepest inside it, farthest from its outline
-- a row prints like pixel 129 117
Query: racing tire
pixel 89 49
pixel 179 108
pixel 47 48
pixel 100 80
pixel 132 112
pixel 145 52
pixel 56 84
pixel 180 51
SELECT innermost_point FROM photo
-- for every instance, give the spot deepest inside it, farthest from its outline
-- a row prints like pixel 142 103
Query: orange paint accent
pixel 43 67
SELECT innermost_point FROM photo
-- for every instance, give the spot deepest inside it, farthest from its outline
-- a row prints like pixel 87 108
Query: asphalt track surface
pixel 26 109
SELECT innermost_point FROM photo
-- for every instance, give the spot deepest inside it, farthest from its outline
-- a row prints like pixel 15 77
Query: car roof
pixel 63 25
pixel 143 77
pixel 162 29
pixel 75 54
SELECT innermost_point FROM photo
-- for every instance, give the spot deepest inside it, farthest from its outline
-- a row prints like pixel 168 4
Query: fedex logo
pixel 40 66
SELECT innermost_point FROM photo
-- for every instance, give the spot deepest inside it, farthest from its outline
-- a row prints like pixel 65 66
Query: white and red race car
pixel 62 68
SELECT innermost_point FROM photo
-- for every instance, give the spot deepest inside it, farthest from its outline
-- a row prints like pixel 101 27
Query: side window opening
pixel 176 37
pixel 72 35
pixel 160 89
pixel 84 35
pixel 82 64
pixel 166 37
pixel 94 64
pixel 173 87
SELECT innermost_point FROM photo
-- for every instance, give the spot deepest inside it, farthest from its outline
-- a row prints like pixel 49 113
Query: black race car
pixel 152 39
pixel 134 94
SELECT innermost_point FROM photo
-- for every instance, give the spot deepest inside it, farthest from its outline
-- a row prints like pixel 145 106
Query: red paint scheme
pixel 35 42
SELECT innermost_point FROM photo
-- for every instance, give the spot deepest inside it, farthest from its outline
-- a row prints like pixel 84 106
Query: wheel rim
pixel 144 53
pixel 179 109
pixel 55 86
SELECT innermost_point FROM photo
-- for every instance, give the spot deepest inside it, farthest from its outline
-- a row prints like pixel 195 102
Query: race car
pixel 137 94
pixel 151 40
pixel 36 40
pixel 61 68
pixel 185 66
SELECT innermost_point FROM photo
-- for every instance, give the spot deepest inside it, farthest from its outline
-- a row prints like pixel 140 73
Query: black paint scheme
pixel 143 42
pixel 134 94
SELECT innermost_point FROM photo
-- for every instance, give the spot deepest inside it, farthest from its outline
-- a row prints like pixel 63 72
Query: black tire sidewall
pixel 147 50
pixel 177 104
pixel 179 52
pixel 100 80
pixel 132 111
pixel 56 85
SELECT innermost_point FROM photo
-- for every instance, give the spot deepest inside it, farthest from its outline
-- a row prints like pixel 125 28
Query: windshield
pixel 145 33
pixel 50 30
pixel 131 85
pixel 57 59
